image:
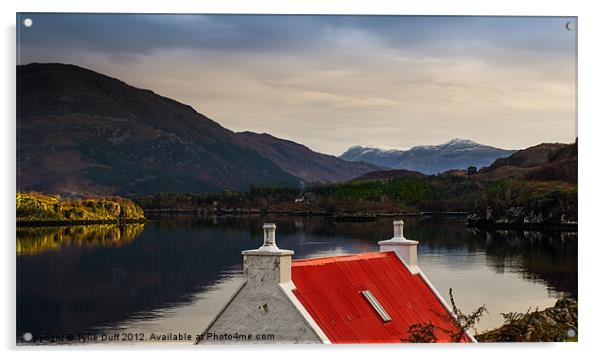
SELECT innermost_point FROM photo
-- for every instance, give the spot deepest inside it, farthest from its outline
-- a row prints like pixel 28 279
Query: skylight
pixel 376 305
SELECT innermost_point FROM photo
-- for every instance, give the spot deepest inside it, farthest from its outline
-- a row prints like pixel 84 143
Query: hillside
pixel 545 199
pixel 302 162
pixel 81 132
pixel 543 162
pixel 454 154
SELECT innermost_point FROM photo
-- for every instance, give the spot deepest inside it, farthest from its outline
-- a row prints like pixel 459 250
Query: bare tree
pixel 463 322
pixel 460 322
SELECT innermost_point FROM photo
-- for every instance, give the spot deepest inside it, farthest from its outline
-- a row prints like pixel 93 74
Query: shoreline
pixel 308 213
pixel 540 227
pixel 60 223
pixel 337 216
pixel 359 217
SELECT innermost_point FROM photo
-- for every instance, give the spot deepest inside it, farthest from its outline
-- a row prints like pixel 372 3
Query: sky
pixel 332 82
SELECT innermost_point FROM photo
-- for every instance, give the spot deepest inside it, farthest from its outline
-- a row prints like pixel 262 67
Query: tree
pixel 471 170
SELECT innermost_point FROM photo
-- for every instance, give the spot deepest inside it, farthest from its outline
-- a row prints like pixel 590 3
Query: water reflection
pixel 547 256
pixel 178 271
pixel 34 240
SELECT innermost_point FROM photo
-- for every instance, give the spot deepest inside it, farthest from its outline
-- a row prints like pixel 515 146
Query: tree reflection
pixel 34 240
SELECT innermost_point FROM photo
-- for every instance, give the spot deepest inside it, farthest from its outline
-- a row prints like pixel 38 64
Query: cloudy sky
pixel 331 82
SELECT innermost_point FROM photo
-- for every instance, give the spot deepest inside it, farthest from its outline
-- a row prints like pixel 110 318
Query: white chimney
pixel 268 264
pixel 405 249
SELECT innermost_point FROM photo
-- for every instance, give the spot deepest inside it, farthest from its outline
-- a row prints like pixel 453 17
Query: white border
pixel 590 24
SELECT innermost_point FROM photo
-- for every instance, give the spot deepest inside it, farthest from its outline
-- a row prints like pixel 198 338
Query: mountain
pixel 301 162
pixel 82 132
pixel 455 154
pixel 543 162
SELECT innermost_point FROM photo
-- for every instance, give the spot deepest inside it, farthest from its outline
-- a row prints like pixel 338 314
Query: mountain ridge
pixel 457 153
pixel 82 132
pixel 285 153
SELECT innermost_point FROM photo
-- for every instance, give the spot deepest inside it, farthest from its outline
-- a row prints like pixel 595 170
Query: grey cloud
pixel 141 34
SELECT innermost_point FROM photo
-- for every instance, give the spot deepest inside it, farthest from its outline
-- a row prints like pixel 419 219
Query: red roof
pixel 330 290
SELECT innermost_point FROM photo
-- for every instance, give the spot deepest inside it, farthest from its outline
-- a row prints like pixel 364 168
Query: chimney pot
pixel 398 229
pixel 269 235
pixel 405 249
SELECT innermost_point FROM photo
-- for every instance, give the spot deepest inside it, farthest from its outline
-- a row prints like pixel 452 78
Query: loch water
pixel 174 273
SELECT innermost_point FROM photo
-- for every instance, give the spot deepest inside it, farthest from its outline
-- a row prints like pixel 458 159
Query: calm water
pixel 174 274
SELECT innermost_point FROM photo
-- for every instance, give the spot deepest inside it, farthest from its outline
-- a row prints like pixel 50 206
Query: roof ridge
pixel 343 258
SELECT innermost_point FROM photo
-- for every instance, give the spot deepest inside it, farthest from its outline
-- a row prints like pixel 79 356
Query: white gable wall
pixel 264 309
pixel 260 310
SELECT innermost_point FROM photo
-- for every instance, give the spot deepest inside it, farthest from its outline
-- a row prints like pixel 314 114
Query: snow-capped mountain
pixel 457 153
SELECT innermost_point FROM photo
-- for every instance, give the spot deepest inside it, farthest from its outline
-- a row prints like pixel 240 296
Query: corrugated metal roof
pixel 331 288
